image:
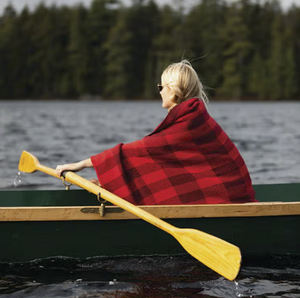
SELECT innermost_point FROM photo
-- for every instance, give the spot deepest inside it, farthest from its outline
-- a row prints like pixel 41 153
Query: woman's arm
pixel 74 167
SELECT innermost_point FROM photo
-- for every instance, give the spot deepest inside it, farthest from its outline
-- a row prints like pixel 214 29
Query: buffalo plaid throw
pixel 187 159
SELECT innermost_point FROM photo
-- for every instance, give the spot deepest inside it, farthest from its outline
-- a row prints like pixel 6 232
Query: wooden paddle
pixel 214 252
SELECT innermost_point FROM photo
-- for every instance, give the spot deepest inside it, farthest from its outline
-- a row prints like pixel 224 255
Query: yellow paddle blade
pixel 28 163
pixel 215 253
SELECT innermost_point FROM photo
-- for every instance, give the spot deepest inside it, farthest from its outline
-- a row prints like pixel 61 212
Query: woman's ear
pixel 174 98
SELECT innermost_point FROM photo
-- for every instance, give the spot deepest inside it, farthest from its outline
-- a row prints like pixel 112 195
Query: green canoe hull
pixel 28 239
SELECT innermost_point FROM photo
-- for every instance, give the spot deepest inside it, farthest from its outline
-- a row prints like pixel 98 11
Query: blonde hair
pixel 183 80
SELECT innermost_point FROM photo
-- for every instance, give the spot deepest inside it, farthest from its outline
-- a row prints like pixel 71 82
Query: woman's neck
pixel 169 109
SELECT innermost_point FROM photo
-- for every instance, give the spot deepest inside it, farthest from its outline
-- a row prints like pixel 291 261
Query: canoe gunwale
pixel 71 213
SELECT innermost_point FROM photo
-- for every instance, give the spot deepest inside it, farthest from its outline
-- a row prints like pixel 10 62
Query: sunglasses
pixel 160 87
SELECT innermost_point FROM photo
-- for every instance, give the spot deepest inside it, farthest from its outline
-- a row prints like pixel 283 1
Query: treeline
pixel 241 50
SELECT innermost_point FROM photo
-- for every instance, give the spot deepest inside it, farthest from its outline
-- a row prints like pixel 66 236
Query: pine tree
pixel 119 60
pixel 61 80
pixel 150 64
pixel 78 52
pixel 257 77
pixel 289 68
pixel 292 60
pixel 100 19
pixel 165 43
pixel 276 61
pixel 201 32
pixel 236 50
pixel 8 52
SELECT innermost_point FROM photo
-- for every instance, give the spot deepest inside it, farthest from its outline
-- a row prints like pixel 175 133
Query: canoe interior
pixel 18 198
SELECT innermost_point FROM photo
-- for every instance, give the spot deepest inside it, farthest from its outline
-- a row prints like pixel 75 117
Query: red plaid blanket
pixel 187 159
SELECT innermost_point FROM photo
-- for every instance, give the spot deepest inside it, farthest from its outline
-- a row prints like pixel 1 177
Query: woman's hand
pixel 74 167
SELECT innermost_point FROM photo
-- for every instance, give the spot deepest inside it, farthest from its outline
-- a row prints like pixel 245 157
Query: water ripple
pixel 65 131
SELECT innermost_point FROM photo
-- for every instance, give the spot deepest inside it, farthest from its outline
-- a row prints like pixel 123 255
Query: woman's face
pixel 167 95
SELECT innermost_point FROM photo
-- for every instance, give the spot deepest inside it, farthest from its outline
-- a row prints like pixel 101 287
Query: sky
pixel 19 4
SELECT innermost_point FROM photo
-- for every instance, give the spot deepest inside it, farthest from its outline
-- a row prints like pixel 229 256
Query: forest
pixel 242 50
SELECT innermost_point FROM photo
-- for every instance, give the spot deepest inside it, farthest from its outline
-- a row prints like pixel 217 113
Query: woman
pixel 187 159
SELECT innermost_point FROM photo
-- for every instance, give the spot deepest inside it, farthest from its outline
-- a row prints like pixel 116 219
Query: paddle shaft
pixel 106 195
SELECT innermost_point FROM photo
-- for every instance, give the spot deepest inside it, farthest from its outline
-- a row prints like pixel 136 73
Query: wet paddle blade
pixel 28 163
pixel 215 253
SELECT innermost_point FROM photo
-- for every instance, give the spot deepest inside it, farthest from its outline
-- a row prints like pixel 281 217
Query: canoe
pixel 39 224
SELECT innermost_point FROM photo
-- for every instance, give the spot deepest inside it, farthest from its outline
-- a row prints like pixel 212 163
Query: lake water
pixel 267 135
